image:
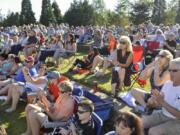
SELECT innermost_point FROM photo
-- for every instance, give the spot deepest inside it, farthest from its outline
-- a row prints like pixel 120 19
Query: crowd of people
pixel 24 75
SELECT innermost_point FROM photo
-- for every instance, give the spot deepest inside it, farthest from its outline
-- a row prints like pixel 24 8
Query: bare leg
pixel 113 87
pixel 105 66
pixel 139 96
pixel 15 97
pixel 36 120
pixel 97 60
pixel 9 97
pixel 29 108
pixel 4 90
pixel 121 77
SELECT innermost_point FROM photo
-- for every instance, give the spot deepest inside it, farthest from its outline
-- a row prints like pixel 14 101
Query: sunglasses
pixel 123 42
pixel 161 56
pixel 174 70
pixel 81 112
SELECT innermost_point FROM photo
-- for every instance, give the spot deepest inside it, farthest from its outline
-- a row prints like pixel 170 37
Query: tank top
pixel 123 59
pixel 152 81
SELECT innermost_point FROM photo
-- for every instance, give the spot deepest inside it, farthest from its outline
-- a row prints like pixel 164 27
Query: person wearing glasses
pixel 157 73
pixel 123 62
pixel 44 113
pixel 127 123
pixel 84 124
pixel 166 121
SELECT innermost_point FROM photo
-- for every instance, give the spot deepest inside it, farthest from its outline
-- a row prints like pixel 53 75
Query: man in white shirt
pixel 166 121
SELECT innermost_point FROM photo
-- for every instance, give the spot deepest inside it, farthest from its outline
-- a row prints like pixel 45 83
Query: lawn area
pixel 15 123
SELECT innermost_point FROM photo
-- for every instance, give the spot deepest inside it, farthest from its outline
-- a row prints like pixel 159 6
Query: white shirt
pixel 36 87
pixel 172 97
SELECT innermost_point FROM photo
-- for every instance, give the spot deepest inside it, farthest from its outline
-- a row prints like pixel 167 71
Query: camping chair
pixel 53 126
pixel 138 64
pixel 151 51
pixel 98 123
pixel 102 107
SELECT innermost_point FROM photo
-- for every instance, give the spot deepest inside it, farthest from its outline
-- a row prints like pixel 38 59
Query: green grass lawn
pixel 15 123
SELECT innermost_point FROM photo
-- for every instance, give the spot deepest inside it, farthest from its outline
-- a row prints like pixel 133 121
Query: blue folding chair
pixel 98 123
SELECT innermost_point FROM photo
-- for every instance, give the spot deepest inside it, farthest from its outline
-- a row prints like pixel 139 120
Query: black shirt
pixel 85 129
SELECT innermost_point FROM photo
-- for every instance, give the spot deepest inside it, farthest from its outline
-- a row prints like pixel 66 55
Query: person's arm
pixel 29 78
pixel 160 99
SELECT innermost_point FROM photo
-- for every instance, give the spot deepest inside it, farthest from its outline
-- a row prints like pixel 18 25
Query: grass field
pixel 15 123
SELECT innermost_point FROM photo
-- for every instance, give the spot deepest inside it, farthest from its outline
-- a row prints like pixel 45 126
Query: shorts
pixel 48 123
pixel 25 92
pixel 146 97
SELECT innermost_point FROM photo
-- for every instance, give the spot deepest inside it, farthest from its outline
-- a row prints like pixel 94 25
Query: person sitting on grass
pixel 167 120
pixel 84 124
pixel 105 62
pixel 33 85
pixel 158 73
pixel 5 85
pixel 43 113
pixel 86 63
pixel 127 123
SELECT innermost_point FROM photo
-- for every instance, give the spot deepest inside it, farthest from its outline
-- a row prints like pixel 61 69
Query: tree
pixel 11 19
pixel 158 15
pixel 47 16
pixel 178 14
pixel 27 15
pixel 140 12
pixel 80 13
pixel 57 12
pixel 99 12
pixel 98 5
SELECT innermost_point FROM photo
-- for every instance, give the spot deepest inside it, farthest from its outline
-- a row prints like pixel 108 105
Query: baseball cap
pixel 53 75
pixel 29 59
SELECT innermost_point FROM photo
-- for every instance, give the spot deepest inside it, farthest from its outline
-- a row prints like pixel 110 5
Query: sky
pixel 15 5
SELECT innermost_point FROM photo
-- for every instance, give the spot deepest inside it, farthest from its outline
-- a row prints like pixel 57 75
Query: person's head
pixel 54 76
pixel 94 50
pixel 128 123
pixel 125 43
pixel 159 32
pixel 33 33
pixel 65 87
pixel 85 109
pixel 42 70
pixel 109 34
pixel 171 36
pixel 11 57
pixel 174 69
pixel 71 38
pixel 163 58
pixel 29 61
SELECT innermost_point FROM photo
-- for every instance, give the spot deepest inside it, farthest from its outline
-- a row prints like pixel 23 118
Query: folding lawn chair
pixel 152 49
pixel 98 123
pixel 138 64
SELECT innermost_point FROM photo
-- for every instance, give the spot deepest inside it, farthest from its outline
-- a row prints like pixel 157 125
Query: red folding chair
pixel 153 45
pixel 138 64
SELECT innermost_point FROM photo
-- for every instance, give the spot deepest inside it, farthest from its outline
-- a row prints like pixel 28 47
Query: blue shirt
pixel 20 76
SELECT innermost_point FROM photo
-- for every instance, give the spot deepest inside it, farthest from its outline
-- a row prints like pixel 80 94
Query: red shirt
pixel 112 44
pixel 53 88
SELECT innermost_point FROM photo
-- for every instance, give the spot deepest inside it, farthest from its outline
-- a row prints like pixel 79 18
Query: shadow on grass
pixel 14 122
